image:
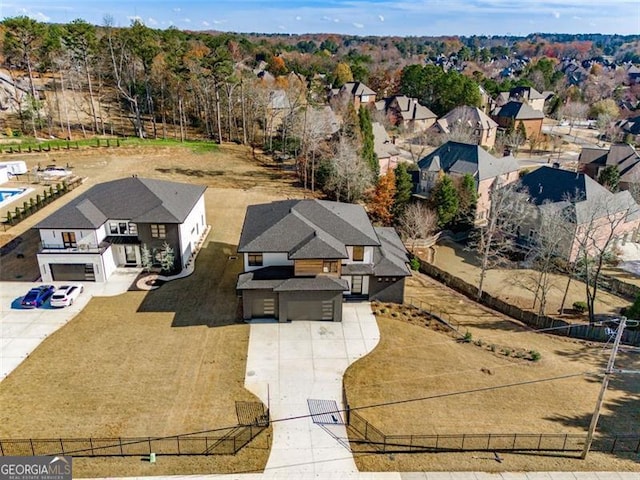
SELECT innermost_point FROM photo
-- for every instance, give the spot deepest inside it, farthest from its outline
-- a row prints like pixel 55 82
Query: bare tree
pixel 575 111
pixel 418 221
pixel 349 175
pixel 496 238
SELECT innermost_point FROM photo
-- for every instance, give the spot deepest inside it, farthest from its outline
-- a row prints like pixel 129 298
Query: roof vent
pixel 540 189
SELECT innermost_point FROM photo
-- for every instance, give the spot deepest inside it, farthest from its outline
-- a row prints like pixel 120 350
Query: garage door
pixel 264 306
pixel 72 272
pixel 310 310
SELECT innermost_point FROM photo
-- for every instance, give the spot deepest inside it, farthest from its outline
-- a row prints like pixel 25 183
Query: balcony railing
pixel 81 248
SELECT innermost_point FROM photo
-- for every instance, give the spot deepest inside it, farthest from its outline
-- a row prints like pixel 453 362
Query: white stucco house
pixel 114 224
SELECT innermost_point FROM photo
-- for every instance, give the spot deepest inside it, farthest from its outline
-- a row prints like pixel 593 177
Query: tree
pixel 366 130
pixel 574 111
pixel 348 177
pixel 444 199
pixel 342 74
pixel 633 312
pixel 609 177
pixel 607 106
pixel 417 221
pixel 146 257
pixel 167 258
pixel 403 190
pixel 496 238
pixel 381 202
pixel 467 202
pixel 522 131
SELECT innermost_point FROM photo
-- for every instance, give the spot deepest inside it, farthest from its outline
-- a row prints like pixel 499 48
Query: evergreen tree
pixel 467 202
pixel 444 199
pixel 404 187
pixel 367 152
pixel 609 178
pixel 522 131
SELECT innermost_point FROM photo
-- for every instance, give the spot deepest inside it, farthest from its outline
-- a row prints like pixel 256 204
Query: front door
pixel 356 285
pixel 130 255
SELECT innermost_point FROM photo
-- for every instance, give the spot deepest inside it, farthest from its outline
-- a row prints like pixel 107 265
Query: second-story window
pixel 358 253
pixel 254 259
pixel 113 228
pixel 133 229
pixel 158 231
pixel 69 239
pixel 330 266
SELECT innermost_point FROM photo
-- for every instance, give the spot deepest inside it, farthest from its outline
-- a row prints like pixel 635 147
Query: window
pixel 133 229
pixel 122 228
pixel 113 228
pixel 255 259
pixel 358 253
pixel 330 266
pixel 69 239
pixel 158 231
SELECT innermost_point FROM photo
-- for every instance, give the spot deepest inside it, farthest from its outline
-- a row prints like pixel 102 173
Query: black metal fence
pixel 437 313
pixel 368 439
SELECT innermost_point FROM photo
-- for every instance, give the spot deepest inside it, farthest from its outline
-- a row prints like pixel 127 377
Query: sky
pixel 354 17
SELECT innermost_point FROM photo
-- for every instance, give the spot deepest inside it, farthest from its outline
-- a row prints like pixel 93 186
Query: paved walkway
pixel 291 363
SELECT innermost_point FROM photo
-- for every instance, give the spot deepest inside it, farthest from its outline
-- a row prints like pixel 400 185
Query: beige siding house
pixel 406 112
pixel 472 118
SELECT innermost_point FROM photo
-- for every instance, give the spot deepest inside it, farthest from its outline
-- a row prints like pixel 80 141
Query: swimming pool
pixel 8 195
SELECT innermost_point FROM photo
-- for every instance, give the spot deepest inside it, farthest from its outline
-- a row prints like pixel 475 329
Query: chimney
pixel 540 189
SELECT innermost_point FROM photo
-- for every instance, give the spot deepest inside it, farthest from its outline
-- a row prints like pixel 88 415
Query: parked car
pixel 66 295
pixel 37 296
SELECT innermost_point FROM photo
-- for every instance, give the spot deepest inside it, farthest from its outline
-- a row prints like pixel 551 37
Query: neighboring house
pixel 512 113
pixel 457 159
pixel 301 257
pixel 406 112
pixel 631 126
pixel 593 160
pixel 633 73
pixel 358 93
pixel 386 151
pixel 113 223
pixel 585 203
pixel 531 96
pixel 321 121
pixel 472 118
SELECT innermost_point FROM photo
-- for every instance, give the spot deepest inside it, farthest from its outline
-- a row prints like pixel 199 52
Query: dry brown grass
pixel 165 362
pixel 412 361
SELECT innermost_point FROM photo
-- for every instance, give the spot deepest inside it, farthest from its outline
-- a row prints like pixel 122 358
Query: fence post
pixel 178 441
pixel 613 447
pixel 91 444
pixel 62 446
pixel 120 441
pixel 366 424
pixel 564 445
pixel 149 442
pixel 33 452
pixel 513 447
pixel 489 442
pixel 462 446
pixel 539 441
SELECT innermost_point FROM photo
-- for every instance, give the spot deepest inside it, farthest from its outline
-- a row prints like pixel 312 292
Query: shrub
pixel 580 307
pixel 535 356
pixel 415 264
pixel 493 347
pixel 467 337
pixel 507 352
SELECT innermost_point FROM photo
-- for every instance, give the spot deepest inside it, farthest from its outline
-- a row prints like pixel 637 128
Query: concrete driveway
pixel 22 330
pixel 291 363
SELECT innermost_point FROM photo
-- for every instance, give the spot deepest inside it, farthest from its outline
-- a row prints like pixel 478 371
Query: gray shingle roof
pixel 390 258
pixel 576 190
pixel 139 200
pixel 518 111
pixel 469 116
pixel 281 279
pixel 311 226
pixel 357 89
pixel 462 158
pixel 621 155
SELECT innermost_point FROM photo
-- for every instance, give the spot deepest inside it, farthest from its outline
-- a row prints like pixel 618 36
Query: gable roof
pixel 621 155
pixel 564 188
pixel 465 115
pixel 139 200
pixel 528 93
pixel 382 143
pixel 462 158
pixel 357 88
pixel 518 111
pixel 630 125
pixel 410 109
pixel 391 257
pixel 306 228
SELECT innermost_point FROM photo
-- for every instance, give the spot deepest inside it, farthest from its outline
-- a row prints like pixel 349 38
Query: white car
pixel 66 295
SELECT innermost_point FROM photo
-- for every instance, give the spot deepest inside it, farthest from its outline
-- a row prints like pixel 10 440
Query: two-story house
pixel 479 125
pixel 357 92
pixel 513 113
pixel 458 159
pixel 118 224
pixel 406 112
pixel 589 213
pixel 624 157
pixel 302 257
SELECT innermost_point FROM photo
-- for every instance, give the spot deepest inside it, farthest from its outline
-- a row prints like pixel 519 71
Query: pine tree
pixel 367 152
pixel 522 131
pixel 404 188
pixel 444 199
pixel 467 202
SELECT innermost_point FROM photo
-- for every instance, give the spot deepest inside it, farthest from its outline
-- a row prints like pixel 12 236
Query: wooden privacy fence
pixel 583 331
pixel 227 443
pixel 369 439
